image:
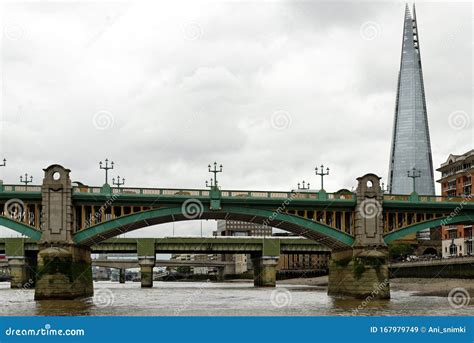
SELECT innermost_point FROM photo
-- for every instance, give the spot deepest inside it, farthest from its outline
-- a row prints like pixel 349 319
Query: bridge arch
pixel 448 220
pixel 20 228
pixel 308 228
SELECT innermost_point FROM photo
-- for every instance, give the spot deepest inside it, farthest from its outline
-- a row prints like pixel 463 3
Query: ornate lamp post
pixel 118 183
pixel 215 171
pixel 25 180
pixel 106 168
pixel 414 173
pixel 322 174
pixel 305 186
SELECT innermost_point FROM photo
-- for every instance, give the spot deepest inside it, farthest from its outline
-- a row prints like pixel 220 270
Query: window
pixel 469 248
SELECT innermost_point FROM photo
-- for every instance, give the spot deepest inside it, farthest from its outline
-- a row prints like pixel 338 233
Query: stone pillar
pixel 122 275
pixel 361 271
pixel 21 267
pixel 264 271
pixel 220 274
pixel 64 269
pixel 64 273
pixel 146 259
pixel 18 272
pixel 146 271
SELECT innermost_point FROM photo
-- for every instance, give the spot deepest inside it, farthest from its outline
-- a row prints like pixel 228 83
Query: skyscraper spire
pixel 411 147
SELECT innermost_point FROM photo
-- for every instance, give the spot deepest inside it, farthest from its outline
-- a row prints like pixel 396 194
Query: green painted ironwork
pixel 449 220
pixel 97 232
pixel 21 228
pixel 15 247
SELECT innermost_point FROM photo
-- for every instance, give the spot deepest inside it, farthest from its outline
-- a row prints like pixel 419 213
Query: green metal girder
pixel 94 232
pixel 15 247
pixel 397 234
pixel 21 228
pixel 145 247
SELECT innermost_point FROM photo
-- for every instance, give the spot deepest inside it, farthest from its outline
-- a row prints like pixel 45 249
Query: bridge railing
pixel 224 193
pixel 21 188
pixel 429 198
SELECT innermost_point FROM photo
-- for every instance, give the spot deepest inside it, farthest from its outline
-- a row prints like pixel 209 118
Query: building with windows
pixel 456 180
pixel 238 228
pixel 194 269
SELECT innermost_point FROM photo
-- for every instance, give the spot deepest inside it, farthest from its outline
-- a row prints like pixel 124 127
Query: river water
pixel 220 299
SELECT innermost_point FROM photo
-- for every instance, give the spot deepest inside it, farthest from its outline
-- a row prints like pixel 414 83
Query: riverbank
pixel 420 286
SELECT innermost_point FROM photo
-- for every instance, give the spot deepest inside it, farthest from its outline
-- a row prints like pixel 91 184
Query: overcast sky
pixel 268 89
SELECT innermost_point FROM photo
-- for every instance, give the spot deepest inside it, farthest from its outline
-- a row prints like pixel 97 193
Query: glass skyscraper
pixel 411 147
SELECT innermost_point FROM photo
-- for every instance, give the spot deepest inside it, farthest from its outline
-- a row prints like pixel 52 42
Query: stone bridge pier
pixel 362 270
pixel 22 266
pixel 265 264
pixel 64 269
pixel 146 261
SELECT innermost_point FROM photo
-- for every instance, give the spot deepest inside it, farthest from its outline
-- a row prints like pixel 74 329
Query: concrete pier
pixel 146 271
pixel 359 273
pixel 362 270
pixel 122 275
pixel 64 273
pixel 64 269
pixel 264 270
pixel 19 275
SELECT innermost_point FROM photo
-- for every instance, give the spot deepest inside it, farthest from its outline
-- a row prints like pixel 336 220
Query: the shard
pixel 411 147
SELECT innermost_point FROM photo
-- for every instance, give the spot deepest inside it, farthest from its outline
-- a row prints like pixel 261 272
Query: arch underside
pixel 463 218
pixel 307 228
pixel 20 227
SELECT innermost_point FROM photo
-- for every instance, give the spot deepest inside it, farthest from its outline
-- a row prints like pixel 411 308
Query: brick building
pixel 456 181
